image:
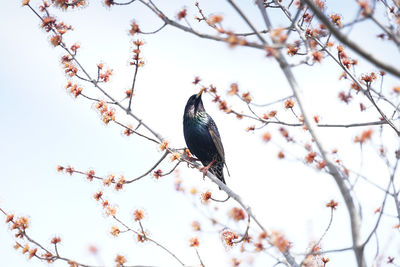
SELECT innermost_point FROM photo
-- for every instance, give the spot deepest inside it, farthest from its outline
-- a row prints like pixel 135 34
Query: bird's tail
pixel 218 170
pixel 227 168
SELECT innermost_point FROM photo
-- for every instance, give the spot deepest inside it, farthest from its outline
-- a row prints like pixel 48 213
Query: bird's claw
pixel 204 170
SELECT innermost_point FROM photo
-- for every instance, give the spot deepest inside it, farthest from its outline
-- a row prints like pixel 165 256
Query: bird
pixel 202 137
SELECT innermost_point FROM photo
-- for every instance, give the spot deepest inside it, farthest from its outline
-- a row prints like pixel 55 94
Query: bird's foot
pixel 204 170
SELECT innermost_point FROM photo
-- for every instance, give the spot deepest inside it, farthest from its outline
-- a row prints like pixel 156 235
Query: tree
pixel 300 147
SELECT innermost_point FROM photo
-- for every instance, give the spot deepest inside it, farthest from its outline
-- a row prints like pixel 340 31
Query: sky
pixel 43 126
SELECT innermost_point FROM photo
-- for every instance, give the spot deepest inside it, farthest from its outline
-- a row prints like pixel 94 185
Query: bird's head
pixel 194 104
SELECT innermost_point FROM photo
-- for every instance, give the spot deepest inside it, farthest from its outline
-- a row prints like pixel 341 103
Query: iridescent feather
pixel 202 136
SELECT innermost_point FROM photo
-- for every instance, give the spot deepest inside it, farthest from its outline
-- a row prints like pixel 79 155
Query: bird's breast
pixel 199 141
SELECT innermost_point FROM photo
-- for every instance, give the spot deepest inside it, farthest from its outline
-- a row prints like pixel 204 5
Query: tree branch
pixel 355 219
pixel 355 47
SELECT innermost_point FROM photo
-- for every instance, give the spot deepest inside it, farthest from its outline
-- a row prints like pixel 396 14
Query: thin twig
pixel 135 132
pixel 97 100
pixel 240 12
pixel 132 180
pixel 73 3
pixel 149 239
pixel 382 113
pixel 123 4
pixel 150 170
pixel 173 169
pixel 155 31
pixel 354 216
pixel 355 47
pixel 136 63
pixel 246 233
pixel 96 84
pixel 198 256
pixel 385 29
pixel 48 252
pixel 170 22
pixel 320 239
pixel 380 215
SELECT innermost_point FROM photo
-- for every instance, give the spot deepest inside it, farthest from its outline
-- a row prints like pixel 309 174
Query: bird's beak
pixel 201 92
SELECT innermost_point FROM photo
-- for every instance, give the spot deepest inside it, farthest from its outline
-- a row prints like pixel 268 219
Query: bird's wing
pixel 218 144
pixel 217 140
pixel 213 130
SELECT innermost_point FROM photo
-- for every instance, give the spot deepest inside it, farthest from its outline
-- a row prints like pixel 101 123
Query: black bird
pixel 202 137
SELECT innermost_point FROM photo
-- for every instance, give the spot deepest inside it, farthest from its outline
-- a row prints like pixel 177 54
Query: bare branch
pixel 136 63
pixel 155 31
pixel 198 256
pixel 320 239
pixel 373 231
pixel 190 30
pixel 355 47
pixel 150 170
pixel 149 239
pixel 246 232
pixel 385 29
pixel 240 12
pixel 96 84
pixel 123 4
pixel 354 216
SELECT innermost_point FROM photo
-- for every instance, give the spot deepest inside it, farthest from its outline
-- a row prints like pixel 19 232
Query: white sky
pixel 42 127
